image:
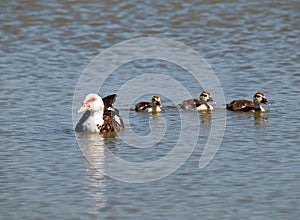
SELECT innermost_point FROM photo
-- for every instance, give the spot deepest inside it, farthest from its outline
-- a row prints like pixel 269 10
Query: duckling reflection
pixel 205 117
pixel 157 117
pixel 259 118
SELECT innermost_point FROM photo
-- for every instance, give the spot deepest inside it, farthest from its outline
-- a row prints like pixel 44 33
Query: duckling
pixel 153 106
pixel 249 106
pixel 198 105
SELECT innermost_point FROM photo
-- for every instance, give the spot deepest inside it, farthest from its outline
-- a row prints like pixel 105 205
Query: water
pixel 45 46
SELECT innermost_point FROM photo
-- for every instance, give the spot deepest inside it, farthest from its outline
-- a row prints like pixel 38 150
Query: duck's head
pixel 206 97
pixel 156 101
pixel 93 103
pixel 259 98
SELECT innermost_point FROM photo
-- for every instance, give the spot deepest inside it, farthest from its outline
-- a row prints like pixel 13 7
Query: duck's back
pixel 112 122
pixel 191 104
pixel 143 106
pixel 240 105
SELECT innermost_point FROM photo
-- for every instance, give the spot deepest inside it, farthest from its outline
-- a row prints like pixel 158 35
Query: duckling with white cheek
pixel 249 106
pixel 153 106
pixel 198 105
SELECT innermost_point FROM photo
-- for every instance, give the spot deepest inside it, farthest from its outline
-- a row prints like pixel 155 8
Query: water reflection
pixel 259 119
pixel 156 116
pixel 205 117
pixel 93 147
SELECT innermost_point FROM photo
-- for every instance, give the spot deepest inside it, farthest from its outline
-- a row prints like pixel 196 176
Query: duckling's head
pixel 259 98
pixel 206 97
pixel 156 101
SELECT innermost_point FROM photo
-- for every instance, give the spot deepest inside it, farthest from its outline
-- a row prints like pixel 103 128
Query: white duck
pixel 99 115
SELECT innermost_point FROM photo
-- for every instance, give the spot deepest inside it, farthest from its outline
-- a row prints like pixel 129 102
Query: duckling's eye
pixel 204 95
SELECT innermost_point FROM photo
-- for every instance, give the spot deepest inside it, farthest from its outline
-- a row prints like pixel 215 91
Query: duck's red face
pixel 92 102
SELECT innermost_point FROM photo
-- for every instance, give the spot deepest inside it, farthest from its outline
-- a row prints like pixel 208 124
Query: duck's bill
pixel 265 101
pixel 157 103
pixel 211 100
pixel 83 108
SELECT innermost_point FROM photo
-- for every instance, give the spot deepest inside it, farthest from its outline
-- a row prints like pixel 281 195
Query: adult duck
pixel 99 115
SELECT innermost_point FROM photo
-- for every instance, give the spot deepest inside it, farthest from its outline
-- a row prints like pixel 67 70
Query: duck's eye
pixel 204 95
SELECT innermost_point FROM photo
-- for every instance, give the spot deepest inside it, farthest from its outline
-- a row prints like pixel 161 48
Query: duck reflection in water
pixel 259 118
pixel 93 148
pixel 205 117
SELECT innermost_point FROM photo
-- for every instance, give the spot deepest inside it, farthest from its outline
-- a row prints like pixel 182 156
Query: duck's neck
pixel 205 103
pixel 258 108
pixel 208 106
pixel 156 108
pixel 205 106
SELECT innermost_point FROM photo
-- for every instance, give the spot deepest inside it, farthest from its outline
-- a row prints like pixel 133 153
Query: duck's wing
pixel 197 102
pixel 107 123
pixel 118 122
pixel 79 125
pixel 190 104
pixel 142 106
pixel 109 101
pixel 112 122
pixel 240 105
pixel 187 103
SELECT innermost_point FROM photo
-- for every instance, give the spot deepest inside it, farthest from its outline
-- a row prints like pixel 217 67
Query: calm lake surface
pixel 251 46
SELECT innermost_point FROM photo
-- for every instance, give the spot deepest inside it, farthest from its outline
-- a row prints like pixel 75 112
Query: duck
pixel 198 104
pixel 154 106
pixel 249 106
pixel 99 115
